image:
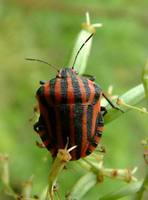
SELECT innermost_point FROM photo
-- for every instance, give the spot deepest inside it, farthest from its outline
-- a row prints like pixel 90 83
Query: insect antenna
pixel 42 61
pixel 81 48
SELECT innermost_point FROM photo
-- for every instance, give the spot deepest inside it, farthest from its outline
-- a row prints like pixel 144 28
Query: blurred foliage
pixel 47 29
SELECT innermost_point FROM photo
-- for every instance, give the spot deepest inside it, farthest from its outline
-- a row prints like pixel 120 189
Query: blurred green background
pixel 48 29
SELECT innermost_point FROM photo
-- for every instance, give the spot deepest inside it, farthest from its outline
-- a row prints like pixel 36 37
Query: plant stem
pixel 144 186
pixel 132 97
pixel 60 161
pixel 87 30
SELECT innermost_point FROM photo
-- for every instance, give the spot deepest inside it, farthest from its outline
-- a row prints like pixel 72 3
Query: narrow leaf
pixel 87 30
pixel 83 185
pixel 145 78
pixel 129 189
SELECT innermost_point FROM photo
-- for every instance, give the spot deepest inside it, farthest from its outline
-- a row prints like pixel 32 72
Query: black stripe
pixel 89 121
pixel 76 88
pixel 87 89
pixel 64 111
pixel 97 93
pixel 99 123
pixel 51 109
pixel 100 120
pixel 50 146
pixel 78 113
pixel 98 133
pixel 41 129
pixel 40 94
pixel 64 91
pixel 88 152
pixel 63 72
pixel 93 143
pixel 52 121
pixel 52 90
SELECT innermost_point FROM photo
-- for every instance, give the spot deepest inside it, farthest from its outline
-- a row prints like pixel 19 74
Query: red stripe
pixel 84 131
pixel 47 92
pixel 97 139
pixel 57 91
pixel 70 91
pixel 100 128
pixel 82 89
pixel 58 97
pixel 92 91
pixel 96 110
pixel 84 117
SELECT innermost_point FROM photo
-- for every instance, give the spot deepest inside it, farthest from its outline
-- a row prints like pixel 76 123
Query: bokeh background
pixel 48 29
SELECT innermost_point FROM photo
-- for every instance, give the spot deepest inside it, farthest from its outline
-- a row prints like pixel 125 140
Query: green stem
pixel 87 29
pixel 60 161
pixel 142 189
pixel 132 97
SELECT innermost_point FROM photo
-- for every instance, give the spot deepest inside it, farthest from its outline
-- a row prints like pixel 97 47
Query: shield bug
pixel 70 107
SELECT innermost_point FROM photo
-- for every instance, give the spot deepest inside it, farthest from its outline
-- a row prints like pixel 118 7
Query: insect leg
pixel 112 105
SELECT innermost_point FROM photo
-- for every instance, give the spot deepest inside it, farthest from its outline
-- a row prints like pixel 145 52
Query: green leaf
pixel 145 78
pixel 129 189
pixel 78 191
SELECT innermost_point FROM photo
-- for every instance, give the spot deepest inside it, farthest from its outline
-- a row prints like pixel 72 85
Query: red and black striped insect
pixel 70 107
